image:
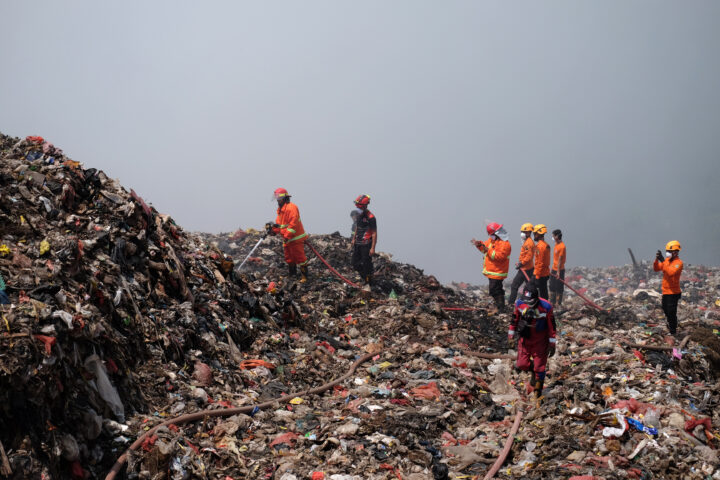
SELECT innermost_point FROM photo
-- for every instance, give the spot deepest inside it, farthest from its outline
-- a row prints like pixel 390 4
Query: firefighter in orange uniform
pixel 672 268
pixel 288 225
pixel 542 260
pixel 497 261
pixel 558 271
pixel 525 262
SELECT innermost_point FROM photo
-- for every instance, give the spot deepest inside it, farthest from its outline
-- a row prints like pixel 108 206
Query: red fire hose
pixel 227 412
pixel 330 267
pixel 587 300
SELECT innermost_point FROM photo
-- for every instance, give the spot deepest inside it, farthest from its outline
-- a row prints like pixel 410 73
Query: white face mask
pixel 668 254
pixel 523 235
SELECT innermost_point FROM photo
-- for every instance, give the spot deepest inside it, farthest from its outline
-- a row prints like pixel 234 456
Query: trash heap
pixel 123 330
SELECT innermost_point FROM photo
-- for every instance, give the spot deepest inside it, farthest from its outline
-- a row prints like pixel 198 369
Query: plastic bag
pixel 104 387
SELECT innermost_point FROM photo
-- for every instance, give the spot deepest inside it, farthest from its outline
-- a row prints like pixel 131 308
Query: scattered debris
pixel 124 330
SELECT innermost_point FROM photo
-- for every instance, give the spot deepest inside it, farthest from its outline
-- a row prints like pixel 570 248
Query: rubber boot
pixel 538 392
pixel 531 386
pixel 552 298
pixel 304 273
pixel 501 306
pixel 292 268
pixel 559 299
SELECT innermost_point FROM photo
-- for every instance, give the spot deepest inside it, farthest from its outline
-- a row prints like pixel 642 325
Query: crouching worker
pixel 533 326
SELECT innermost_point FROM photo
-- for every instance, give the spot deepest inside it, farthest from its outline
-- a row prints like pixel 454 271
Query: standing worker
pixel 542 260
pixel 364 239
pixel 558 271
pixel 497 261
pixel 525 262
pixel 288 225
pixel 672 267
pixel 534 323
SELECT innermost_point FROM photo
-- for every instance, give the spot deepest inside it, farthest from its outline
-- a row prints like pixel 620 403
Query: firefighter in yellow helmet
pixel 672 268
pixel 542 260
pixel 526 262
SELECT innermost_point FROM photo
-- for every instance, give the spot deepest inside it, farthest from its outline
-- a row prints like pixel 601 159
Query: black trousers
pixel 542 286
pixel 495 288
pixel 361 260
pixel 669 306
pixel 556 286
pixel 517 282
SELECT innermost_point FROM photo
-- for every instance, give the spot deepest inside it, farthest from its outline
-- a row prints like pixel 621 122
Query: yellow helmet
pixel 673 246
pixel 540 229
pixel 526 227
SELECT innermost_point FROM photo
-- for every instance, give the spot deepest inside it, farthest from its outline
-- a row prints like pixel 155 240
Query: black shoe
pixel 292 268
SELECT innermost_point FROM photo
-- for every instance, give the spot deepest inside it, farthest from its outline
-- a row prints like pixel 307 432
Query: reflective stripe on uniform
pixel 497 274
pixel 297 238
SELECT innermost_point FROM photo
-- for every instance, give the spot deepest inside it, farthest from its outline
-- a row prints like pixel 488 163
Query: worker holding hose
pixel 525 264
pixel 290 227
pixel 542 260
pixel 557 287
pixel 497 261
pixel 364 240
pixel 533 327
pixel 672 268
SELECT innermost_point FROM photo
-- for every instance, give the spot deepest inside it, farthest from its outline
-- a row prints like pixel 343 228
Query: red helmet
pixel 362 200
pixel 280 192
pixel 493 227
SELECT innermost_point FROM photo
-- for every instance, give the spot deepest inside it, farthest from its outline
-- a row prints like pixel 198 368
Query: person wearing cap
pixel 525 264
pixel 290 227
pixel 557 287
pixel 672 268
pixel 364 239
pixel 497 261
pixel 542 260
pixel 533 327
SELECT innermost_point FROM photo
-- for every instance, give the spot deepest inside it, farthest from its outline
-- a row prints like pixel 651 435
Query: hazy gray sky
pixel 601 118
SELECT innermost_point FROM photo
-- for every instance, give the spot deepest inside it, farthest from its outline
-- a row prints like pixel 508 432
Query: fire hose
pixel 227 412
pixel 339 275
pixel 506 449
pixel 587 300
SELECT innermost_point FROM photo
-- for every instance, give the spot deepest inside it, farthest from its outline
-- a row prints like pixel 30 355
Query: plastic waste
pixel 104 387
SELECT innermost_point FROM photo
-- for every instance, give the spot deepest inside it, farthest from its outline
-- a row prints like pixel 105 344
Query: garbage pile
pixel 124 330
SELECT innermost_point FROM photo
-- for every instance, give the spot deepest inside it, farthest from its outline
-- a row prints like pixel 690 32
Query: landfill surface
pixel 120 320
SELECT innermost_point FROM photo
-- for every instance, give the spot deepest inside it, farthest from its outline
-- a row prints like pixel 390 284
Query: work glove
pixel 659 256
pixel 517 266
pixel 551 350
pixel 553 273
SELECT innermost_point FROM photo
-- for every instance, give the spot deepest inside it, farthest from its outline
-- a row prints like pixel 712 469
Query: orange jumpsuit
pixel 497 259
pixel 293 233
pixel 542 259
pixel 671 275
pixel 527 252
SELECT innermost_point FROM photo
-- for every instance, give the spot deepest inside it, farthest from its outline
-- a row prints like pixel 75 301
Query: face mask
pixel 668 254
pixel 523 235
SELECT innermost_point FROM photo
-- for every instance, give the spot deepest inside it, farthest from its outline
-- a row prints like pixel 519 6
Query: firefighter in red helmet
pixel 497 261
pixel 290 227
pixel 364 239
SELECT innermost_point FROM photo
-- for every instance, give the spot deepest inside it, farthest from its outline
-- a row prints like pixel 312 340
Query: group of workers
pixel 543 272
pixel 533 263
pixel 288 225
pixel 533 321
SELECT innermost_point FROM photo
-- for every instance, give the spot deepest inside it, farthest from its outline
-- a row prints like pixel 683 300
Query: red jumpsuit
pixel 536 338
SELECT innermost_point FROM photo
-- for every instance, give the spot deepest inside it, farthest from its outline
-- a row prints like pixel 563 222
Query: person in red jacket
pixel 364 239
pixel 497 261
pixel 288 225
pixel 672 268
pixel 557 287
pixel 542 260
pixel 534 323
